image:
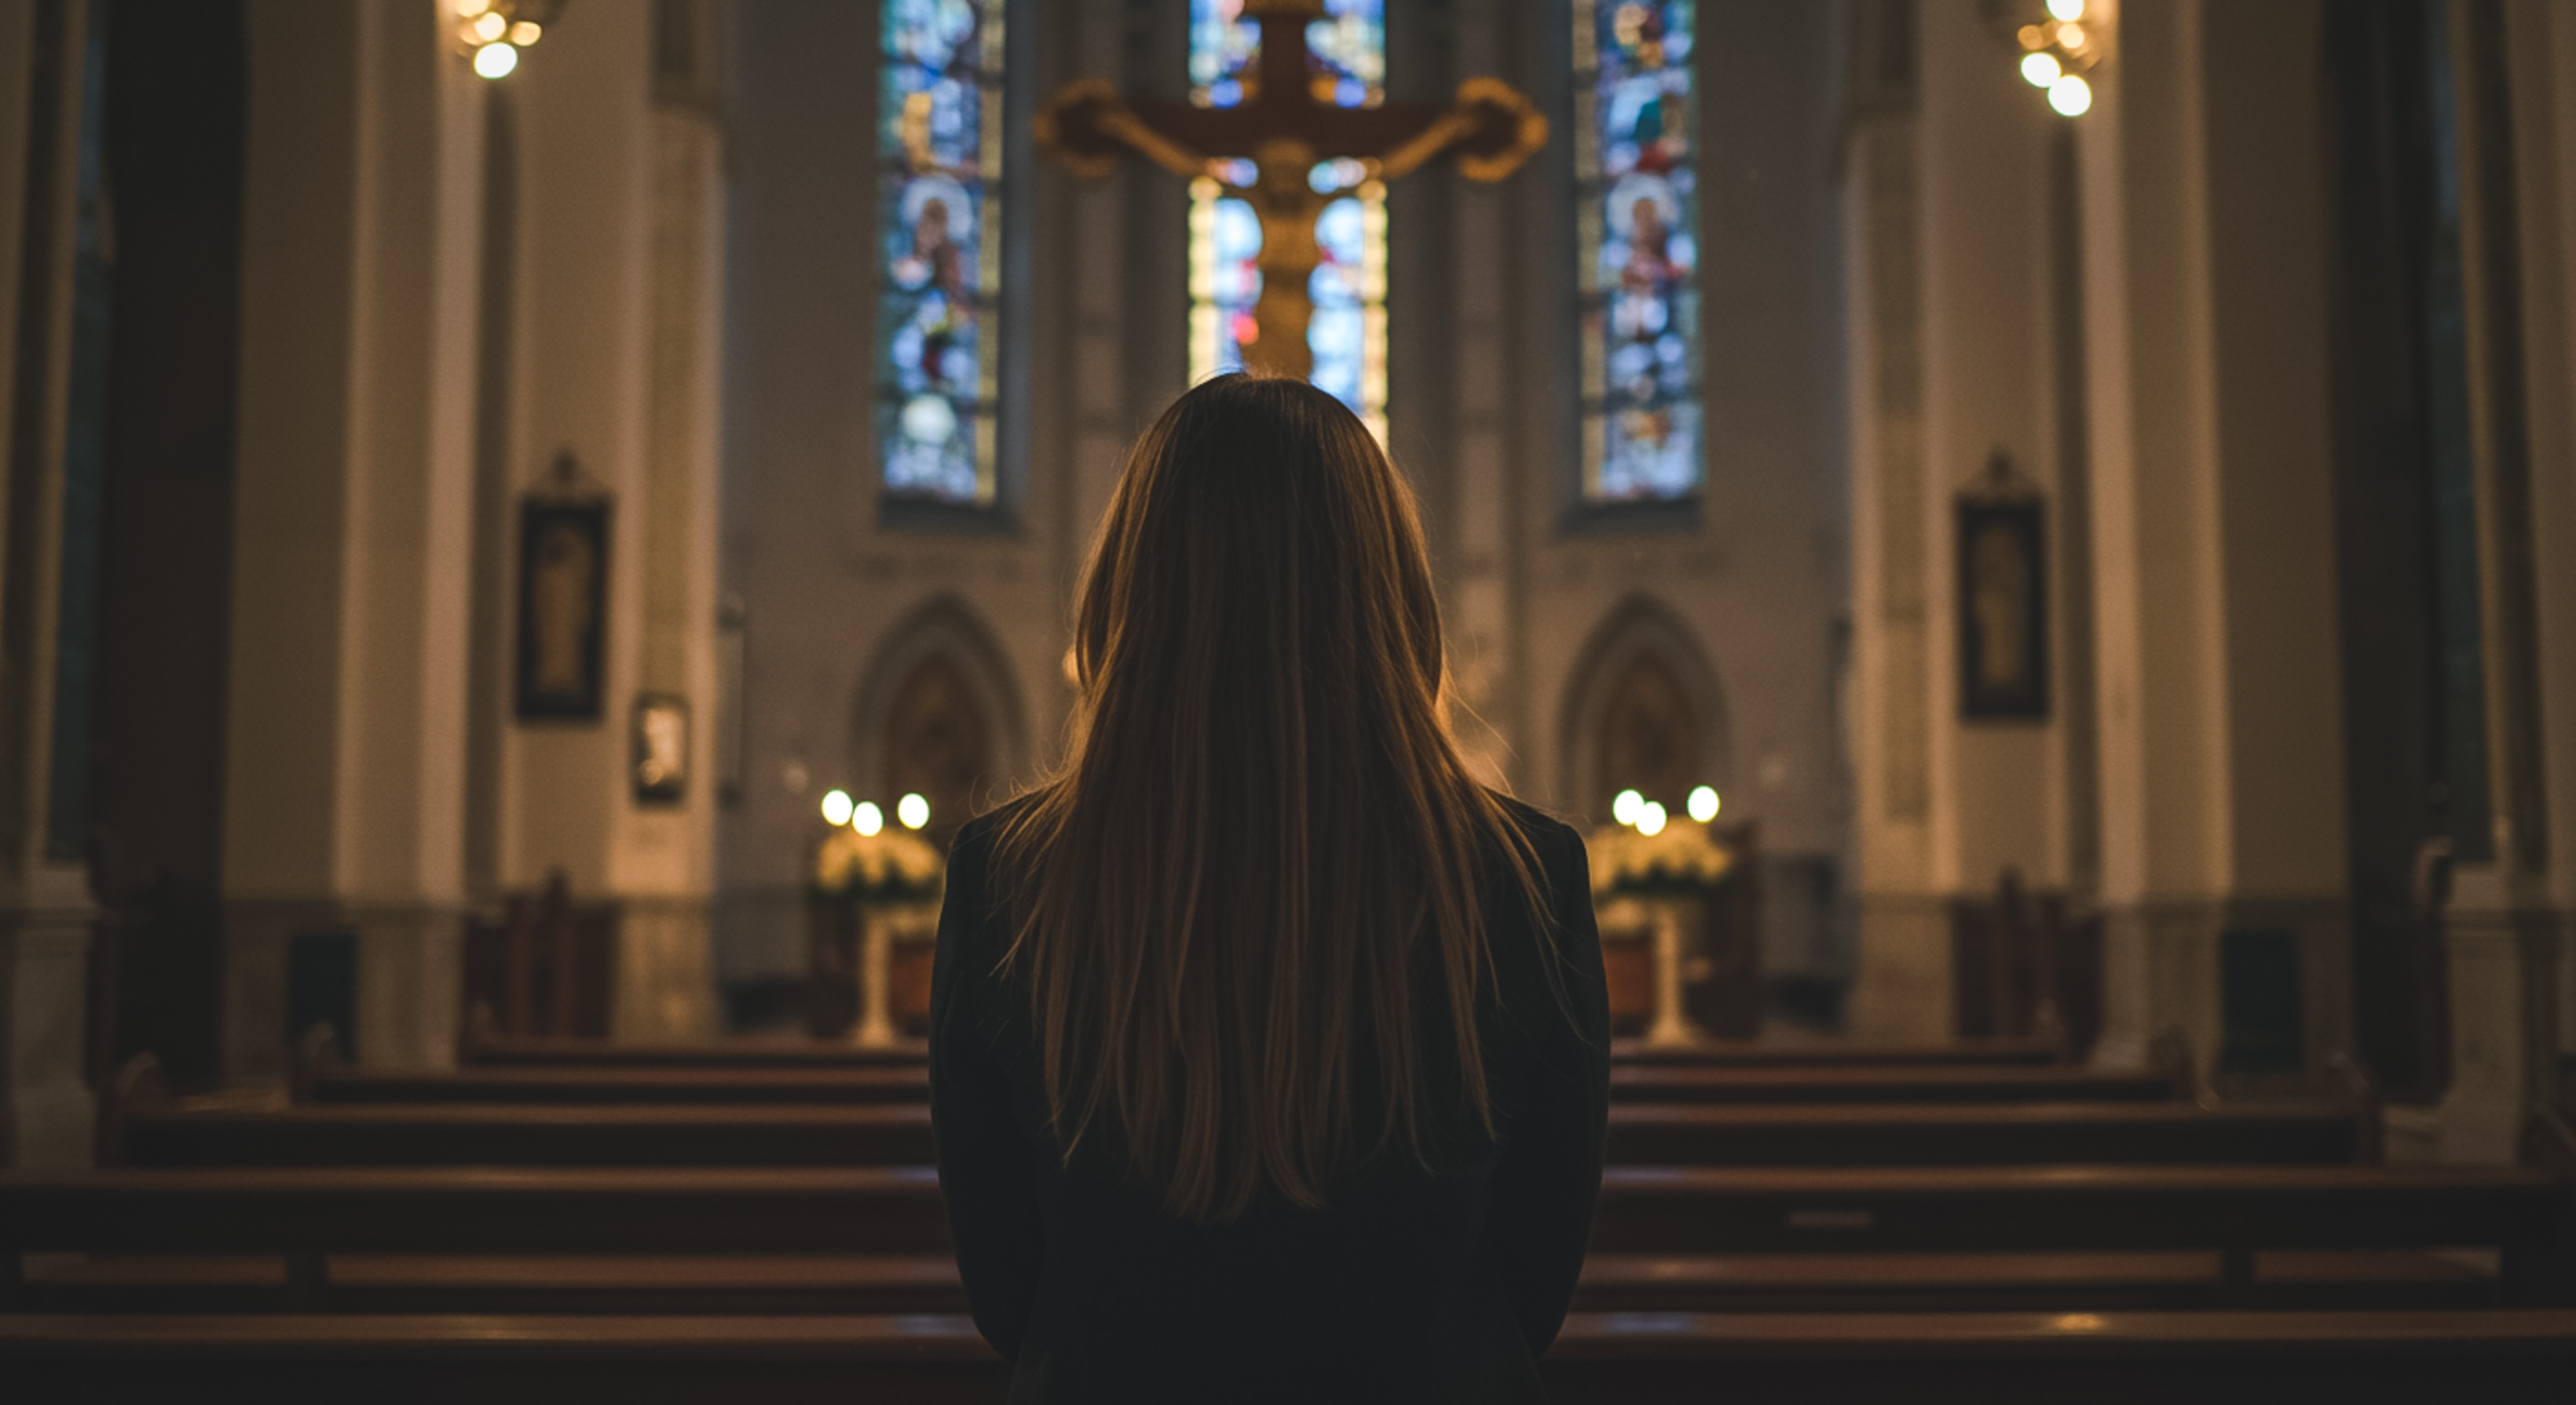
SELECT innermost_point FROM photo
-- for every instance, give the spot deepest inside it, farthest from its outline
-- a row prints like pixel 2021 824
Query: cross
pixel 1489 128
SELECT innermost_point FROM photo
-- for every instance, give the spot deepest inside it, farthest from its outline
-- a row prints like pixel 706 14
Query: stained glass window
pixel 1638 222
pixel 939 143
pixel 1348 333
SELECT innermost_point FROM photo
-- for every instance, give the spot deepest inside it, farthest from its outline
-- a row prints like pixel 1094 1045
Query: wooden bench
pixel 2207 1358
pixel 1973 1134
pixel 498 1050
pixel 2353 1358
pixel 1929 1083
pixel 464 1134
pixel 574 1085
pixel 916 1283
pixel 307 1213
pixel 1739 1053
pixel 2235 1210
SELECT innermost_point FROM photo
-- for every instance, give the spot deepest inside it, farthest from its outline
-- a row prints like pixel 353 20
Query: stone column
pixel 2218 663
pixel 46 1110
pixel 1953 215
pixel 664 970
pixel 345 766
pixel 2509 929
pixel 616 344
pixel 2545 123
pixel 1486 479
pixel 1903 987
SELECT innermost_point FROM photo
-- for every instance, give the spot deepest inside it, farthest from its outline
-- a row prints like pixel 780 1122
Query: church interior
pixel 2036 537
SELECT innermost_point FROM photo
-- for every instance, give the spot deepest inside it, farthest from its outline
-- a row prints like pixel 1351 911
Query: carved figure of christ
pixel 1489 129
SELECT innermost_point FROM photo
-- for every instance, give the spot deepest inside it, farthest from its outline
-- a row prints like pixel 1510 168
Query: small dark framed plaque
pixel 2003 609
pixel 563 609
pixel 661 749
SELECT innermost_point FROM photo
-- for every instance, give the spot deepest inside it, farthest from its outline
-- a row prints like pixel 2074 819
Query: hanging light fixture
pixel 2059 42
pixel 492 32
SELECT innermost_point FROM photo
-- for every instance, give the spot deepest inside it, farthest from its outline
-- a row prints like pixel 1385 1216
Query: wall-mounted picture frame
pixel 563 609
pixel 660 750
pixel 2003 608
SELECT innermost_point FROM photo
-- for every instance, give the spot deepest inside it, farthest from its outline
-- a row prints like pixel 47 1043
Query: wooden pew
pixel 563 1086
pixel 307 1213
pixel 569 1086
pixel 1931 1083
pixel 504 1134
pixel 498 1050
pixel 441 1134
pixel 2237 1211
pixel 1821 1135
pixel 917 1283
pixel 2352 1358
pixel 1838 1054
pixel 795 1052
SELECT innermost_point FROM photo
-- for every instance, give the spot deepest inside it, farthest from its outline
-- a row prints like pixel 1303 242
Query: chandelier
pixel 492 32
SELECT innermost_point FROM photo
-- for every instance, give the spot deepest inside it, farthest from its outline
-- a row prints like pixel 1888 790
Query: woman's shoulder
pixel 1549 836
pixel 977 838
pixel 977 889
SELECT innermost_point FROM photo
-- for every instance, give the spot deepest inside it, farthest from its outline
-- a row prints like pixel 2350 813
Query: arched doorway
pixel 937 714
pixel 1647 736
pixel 1642 710
pixel 939 744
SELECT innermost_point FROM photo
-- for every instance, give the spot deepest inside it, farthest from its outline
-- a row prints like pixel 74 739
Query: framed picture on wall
pixel 661 749
pixel 563 609
pixel 2003 608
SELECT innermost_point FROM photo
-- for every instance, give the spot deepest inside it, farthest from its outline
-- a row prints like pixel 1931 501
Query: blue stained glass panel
pixel 1347 49
pixel 1338 335
pixel 1346 54
pixel 1225 53
pixel 1638 222
pixel 1347 333
pixel 939 229
pixel 1225 279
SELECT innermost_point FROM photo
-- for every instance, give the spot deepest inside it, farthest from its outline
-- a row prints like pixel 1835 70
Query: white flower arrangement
pixel 1681 854
pixel 892 863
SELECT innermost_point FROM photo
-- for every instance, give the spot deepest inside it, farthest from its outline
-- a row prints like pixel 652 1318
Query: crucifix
pixel 1489 128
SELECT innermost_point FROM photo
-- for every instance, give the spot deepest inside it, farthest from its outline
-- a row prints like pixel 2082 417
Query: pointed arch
pixel 1642 708
pixel 937 712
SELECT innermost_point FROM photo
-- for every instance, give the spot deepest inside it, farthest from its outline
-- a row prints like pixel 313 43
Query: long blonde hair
pixel 1250 904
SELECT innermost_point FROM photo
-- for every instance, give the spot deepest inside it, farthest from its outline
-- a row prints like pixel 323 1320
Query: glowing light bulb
pixel 2040 70
pixel 468 9
pixel 2071 95
pixel 913 811
pixel 526 32
pixel 2066 11
pixel 1625 806
pixel 495 60
pixel 1650 820
pixel 2070 37
pixel 490 26
pixel 836 808
pixel 867 818
pixel 1703 804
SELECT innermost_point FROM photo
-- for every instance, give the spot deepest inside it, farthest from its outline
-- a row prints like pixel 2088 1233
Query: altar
pixel 1679 903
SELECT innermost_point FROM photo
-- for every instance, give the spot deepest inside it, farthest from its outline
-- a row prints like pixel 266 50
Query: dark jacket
pixel 1410 1285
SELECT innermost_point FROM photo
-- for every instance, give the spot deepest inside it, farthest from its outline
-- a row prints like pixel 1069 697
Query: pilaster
pixel 2512 939
pixel 617 341
pixel 344 808
pixel 2222 794
pixel 47 1112
pixel 1903 991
